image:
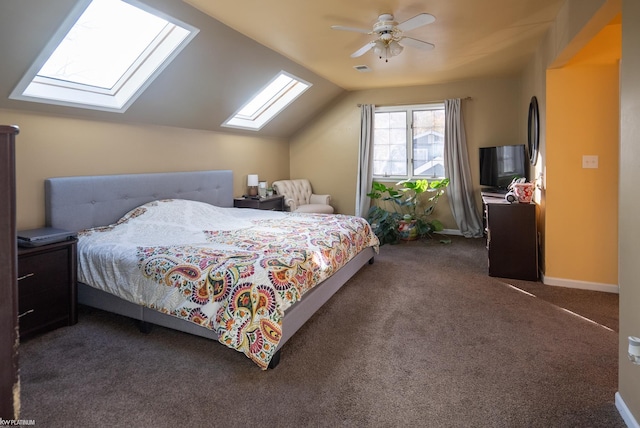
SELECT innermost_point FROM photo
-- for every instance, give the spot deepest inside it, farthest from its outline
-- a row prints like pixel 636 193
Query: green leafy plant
pixel 405 203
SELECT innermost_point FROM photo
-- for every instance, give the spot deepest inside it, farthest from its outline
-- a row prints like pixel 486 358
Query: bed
pixel 92 205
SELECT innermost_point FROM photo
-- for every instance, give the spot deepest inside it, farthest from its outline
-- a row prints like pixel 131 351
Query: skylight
pixel 267 103
pixel 104 55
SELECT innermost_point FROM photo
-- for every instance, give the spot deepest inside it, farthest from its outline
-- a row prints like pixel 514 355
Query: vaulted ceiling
pixel 243 44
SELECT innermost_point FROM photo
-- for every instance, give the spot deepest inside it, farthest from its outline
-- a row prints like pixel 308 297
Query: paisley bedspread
pixel 232 270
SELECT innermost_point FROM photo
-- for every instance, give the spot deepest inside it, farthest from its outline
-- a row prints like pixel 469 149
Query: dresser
pixel 9 382
pixel 512 237
pixel 47 287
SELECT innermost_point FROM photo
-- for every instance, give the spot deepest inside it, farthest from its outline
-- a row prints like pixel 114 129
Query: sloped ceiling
pixel 243 44
pixel 207 82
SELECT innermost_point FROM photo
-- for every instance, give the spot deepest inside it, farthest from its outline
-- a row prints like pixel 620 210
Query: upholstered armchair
pixel 299 197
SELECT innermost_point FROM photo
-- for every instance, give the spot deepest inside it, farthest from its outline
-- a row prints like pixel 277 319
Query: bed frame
pixel 75 203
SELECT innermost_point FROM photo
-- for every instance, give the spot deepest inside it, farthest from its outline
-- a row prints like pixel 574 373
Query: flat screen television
pixel 500 165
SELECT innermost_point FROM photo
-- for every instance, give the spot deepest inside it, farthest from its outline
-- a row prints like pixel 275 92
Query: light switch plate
pixel 590 161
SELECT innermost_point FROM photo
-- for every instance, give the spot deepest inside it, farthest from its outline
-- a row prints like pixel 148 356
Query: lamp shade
pixel 395 48
pixel 379 48
pixel 252 180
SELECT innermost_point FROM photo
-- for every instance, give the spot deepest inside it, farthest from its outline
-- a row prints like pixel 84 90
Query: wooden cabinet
pixel 273 203
pixel 9 384
pixel 47 287
pixel 511 234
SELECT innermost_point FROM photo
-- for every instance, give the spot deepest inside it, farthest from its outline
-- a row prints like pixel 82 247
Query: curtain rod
pixel 427 102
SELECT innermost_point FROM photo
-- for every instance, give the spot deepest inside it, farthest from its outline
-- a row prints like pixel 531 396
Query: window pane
pixel 398 153
pixel 382 121
pixel 428 143
pixel 102 45
pixel 425 135
pixel 398 136
pixel 398 168
pixel 381 153
pixel 398 120
pixel 390 144
pixel 381 137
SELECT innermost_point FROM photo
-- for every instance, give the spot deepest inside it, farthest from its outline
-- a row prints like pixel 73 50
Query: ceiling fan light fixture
pixel 379 48
pixel 385 50
pixel 389 33
pixel 395 48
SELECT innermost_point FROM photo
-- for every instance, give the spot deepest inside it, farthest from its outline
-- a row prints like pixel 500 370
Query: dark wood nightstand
pixel 47 293
pixel 273 203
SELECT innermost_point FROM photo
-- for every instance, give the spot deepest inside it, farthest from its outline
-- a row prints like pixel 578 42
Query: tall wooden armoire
pixel 9 381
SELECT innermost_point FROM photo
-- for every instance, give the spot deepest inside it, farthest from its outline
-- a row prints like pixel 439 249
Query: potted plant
pixel 402 212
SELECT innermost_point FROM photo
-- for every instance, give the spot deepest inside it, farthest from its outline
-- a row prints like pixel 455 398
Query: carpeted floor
pixel 423 337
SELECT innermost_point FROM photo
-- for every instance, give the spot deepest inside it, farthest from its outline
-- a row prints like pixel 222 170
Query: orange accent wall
pixel 583 118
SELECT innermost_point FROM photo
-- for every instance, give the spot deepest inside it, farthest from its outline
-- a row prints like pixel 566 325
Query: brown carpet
pixel 423 337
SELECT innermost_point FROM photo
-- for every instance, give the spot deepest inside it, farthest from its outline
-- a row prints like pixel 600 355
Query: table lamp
pixel 252 184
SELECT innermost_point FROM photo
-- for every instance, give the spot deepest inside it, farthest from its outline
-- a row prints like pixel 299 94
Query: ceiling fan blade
pixel 418 44
pixel 357 30
pixel 363 50
pixel 416 21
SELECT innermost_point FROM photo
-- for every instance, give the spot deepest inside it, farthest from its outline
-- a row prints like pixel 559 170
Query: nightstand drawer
pixel 38 273
pixel 41 311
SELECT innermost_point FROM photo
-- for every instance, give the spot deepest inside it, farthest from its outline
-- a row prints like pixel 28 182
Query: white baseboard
pixel 583 285
pixel 625 412
pixel 560 282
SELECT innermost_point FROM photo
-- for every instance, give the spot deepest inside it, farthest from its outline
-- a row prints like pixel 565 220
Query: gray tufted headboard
pixel 75 203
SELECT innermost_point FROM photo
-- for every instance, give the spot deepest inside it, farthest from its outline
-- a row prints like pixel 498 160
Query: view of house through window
pixel 408 142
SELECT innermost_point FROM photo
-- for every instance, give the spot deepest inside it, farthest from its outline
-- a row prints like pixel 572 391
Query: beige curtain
pixel 456 161
pixel 365 160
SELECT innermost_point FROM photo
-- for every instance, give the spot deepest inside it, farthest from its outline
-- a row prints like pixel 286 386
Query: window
pixel 104 55
pixel 408 142
pixel 268 102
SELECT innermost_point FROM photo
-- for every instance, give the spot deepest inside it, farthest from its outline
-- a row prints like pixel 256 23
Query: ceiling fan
pixel 389 34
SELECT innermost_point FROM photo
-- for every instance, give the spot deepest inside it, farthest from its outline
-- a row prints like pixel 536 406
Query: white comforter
pixel 231 270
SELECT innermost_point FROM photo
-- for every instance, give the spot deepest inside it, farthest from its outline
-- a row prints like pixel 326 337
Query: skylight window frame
pixel 271 107
pixel 154 59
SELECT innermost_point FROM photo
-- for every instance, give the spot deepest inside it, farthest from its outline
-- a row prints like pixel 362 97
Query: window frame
pixel 409 137
pixel 270 107
pixel 141 73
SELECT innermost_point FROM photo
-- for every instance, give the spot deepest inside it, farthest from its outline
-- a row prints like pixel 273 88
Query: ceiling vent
pixel 362 68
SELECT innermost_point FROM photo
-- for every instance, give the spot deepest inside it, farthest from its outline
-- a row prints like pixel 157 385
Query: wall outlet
pixel 590 161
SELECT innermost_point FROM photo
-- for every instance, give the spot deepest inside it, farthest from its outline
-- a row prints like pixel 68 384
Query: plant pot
pixel 524 192
pixel 407 230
